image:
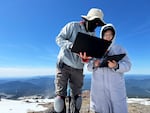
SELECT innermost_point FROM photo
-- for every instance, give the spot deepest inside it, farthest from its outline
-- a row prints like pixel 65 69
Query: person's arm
pixel 90 65
pixel 93 64
pixel 123 65
pixel 63 37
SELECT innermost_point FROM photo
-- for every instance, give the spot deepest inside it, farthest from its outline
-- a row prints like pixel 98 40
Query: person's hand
pixel 84 56
pixel 97 63
pixel 112 64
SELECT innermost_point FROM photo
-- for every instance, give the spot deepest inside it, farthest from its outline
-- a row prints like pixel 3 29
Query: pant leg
pixel 76 81
pixel 61 79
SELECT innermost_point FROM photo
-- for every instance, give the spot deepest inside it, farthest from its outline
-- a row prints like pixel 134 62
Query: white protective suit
pixel 108 92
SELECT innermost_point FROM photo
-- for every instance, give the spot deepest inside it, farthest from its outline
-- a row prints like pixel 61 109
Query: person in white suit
pixel 108 92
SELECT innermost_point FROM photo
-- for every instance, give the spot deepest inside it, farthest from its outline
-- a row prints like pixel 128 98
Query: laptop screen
pixel 93 46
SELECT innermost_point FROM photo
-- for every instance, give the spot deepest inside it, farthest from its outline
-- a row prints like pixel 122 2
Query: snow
pixel 20 106
pixel 143 101
pixel 26 105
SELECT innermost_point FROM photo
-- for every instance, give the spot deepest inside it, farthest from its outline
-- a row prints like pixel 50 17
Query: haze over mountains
pixel 136 85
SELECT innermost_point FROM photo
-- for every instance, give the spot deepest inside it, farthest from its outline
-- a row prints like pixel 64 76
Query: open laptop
pixel 116 57
pixel 93 46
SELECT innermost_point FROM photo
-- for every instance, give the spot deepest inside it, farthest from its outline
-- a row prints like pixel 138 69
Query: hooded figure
pixel 108 93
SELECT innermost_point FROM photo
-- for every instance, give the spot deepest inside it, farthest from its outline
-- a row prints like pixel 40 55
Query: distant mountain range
pixel 137 86
pixel 43 86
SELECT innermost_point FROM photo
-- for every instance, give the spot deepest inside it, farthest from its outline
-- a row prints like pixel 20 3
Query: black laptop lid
pixel 93 46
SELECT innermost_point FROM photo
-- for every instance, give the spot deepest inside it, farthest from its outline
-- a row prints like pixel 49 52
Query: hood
pixel 108 26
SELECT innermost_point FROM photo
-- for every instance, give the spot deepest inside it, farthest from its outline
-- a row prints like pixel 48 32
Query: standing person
pixel 69 64
pixel 108 93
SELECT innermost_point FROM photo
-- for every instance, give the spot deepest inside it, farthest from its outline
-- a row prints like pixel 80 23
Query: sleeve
pixel 124 65
pixel 90 65
pixel 85 60
pixel 63 38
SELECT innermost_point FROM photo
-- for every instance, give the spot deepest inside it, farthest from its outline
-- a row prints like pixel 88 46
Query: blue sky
pixel 28 29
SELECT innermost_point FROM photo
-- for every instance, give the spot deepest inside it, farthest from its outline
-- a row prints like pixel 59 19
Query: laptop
pixel 93 46
pixel 117 58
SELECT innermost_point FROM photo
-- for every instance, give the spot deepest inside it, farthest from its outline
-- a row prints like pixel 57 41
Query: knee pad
pixel 59 104
pixel 78 102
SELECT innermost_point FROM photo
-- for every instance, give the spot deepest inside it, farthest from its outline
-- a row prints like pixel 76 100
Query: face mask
pixel 91 26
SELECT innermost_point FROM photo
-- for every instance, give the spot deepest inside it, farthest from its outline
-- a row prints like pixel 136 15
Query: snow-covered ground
pixel 20 106
pixel 143 101
pixel 26 105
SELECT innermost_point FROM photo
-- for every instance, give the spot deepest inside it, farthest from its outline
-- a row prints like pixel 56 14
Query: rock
pixel 138 108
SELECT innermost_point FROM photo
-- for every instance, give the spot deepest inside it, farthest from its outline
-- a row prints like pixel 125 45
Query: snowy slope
pixel 20 106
